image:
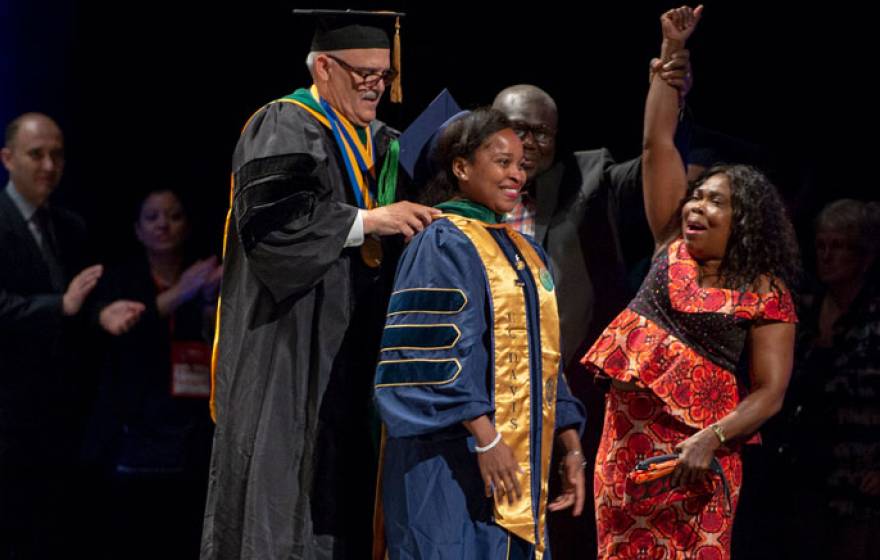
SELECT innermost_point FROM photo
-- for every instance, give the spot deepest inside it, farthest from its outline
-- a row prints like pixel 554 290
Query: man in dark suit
pixel 44 282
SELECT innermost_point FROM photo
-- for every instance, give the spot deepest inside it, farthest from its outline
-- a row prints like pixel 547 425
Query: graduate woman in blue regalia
pixel 469 383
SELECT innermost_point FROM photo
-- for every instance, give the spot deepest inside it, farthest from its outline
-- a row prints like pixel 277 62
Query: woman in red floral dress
pixel 702 356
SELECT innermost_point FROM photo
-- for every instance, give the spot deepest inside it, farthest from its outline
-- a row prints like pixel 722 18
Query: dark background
pixel 154 94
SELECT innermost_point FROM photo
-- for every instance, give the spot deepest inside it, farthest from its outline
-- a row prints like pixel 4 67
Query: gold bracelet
pixel 716 428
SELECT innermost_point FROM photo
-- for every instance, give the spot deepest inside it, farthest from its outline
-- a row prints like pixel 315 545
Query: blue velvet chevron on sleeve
pixel 433 369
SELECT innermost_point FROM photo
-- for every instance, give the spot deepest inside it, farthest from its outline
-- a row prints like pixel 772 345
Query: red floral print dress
pixel 682 344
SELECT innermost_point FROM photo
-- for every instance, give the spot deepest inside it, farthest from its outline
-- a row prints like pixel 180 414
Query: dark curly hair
pixel 762 242
pixel 462 138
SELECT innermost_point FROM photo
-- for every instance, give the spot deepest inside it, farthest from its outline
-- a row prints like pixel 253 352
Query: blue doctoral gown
pixel 437 370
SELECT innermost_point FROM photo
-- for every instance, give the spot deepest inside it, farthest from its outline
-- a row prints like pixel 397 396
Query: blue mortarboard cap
pixel 418 140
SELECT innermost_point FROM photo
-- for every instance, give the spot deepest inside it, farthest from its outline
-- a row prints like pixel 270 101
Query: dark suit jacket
pixel 36 342
pixel 581 202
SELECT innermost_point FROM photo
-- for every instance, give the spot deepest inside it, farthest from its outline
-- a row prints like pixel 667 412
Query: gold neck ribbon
pixel 513 403
pixel 350 143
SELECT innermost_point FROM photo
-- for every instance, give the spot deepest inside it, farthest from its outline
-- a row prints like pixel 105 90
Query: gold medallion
pixel 371 252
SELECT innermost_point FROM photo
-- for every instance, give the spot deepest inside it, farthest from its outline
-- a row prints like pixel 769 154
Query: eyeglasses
pixel 369 76
pixel 542 134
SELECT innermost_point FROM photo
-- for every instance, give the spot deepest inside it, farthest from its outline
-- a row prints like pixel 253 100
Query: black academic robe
pixel 292 472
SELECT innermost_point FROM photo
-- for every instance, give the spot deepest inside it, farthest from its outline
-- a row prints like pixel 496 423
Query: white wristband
pixel 485 448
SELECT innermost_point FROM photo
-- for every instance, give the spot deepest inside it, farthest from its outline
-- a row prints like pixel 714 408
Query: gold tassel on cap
pixel 396 87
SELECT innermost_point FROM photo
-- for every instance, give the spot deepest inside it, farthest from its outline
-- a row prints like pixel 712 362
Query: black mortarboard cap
pixel 337 30
pixel 419 139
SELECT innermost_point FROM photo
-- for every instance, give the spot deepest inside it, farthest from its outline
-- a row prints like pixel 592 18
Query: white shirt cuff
pixel 356 233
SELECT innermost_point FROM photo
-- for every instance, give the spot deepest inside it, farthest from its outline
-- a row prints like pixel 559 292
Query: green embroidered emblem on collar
pixel 546 279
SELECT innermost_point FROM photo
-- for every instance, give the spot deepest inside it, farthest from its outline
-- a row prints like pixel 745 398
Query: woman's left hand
pixel 572 495
pixel 678 24
pixel 695 455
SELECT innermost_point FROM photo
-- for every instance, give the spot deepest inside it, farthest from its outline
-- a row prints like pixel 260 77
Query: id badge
pixel 190 369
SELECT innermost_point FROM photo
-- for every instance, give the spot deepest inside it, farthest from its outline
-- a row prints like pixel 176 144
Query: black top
pixel 719 337
pixel 137 425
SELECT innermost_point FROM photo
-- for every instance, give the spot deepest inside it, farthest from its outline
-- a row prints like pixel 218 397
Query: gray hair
pixel 860 219
pixel 310 59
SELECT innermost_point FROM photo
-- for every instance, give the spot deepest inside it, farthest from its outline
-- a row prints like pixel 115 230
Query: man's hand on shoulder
pixel 406 218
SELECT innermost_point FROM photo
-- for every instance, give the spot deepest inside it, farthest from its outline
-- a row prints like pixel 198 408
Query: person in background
pixel 828 435
pixel 150 434
pixel 45 279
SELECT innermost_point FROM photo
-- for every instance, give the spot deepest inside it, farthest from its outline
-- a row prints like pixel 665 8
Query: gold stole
pixel 512 376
